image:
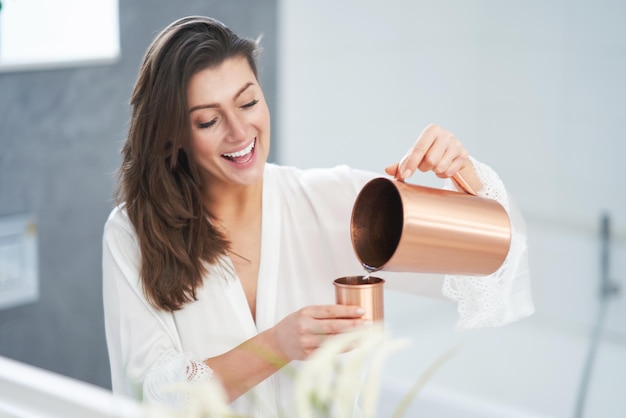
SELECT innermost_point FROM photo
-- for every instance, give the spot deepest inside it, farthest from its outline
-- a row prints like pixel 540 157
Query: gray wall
pixel 60 135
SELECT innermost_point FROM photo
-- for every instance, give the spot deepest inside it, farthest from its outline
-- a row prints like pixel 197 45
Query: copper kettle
pixel 397 226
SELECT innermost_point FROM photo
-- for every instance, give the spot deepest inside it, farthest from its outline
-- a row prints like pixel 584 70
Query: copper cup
pixel 364 291
pixel 398 226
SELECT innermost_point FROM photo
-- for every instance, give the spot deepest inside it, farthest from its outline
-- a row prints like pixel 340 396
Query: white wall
pixel 38 34
pixel 534 88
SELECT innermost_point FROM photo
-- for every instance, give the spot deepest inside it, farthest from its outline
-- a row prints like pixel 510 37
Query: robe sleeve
pixel 504 296
pixel 144 348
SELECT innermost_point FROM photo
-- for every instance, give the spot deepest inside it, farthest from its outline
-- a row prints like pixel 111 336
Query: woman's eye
pixel 250 104
pixel 207 124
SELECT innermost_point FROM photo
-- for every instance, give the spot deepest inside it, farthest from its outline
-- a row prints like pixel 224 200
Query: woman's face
pixel 230 124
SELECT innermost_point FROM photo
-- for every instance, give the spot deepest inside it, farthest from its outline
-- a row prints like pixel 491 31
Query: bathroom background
pixel 61 131
pixel 533 88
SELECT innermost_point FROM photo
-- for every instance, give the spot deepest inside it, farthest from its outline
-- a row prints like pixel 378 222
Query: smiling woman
pixel 229 124
pixel 219 265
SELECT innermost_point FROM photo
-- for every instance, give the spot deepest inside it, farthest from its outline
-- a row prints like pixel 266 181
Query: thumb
pixel 392 170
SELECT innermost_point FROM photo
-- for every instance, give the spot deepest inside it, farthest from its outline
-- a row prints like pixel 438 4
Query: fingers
pixel 331 319
pixel 451 161
pixel 392 170
pixel 435 150
pixel 301 332
pixel 332 326
pixel 420 153
pixel 333 311
pixel 313 334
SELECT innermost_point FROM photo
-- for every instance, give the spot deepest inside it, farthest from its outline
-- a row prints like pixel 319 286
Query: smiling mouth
pixel 242 156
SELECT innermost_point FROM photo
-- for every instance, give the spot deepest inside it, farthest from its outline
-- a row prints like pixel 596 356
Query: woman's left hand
pixel 435 150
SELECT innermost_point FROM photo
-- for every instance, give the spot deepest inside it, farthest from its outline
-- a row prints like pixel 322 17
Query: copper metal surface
pixel 364 291
pixel 405 227
pixel 460 181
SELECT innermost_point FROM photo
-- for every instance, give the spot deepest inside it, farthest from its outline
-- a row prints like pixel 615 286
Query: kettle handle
pixel 460 181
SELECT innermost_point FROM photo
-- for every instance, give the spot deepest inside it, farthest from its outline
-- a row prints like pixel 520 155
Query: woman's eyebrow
pixel 212 105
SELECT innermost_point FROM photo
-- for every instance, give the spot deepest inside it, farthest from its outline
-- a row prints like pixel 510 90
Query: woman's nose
pixel 236 128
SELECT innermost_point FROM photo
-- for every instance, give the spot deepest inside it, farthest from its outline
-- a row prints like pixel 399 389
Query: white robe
pixel 305 246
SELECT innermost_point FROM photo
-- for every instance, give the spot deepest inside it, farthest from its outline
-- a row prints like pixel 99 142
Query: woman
pixel 218 264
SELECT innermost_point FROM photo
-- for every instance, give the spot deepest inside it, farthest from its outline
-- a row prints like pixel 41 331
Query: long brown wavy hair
pixel 159 184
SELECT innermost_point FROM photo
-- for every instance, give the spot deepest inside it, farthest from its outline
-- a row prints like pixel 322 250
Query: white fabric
pixel 305 245
pixel 172 369
pixel 504 296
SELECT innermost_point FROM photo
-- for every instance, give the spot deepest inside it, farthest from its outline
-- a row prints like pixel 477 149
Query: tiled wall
pixel 60 135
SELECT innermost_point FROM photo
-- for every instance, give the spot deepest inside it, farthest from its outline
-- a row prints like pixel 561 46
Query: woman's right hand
pixel 302 332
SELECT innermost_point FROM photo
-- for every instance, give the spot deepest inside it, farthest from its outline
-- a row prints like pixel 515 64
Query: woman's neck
pixel 234 206
pixel 237 212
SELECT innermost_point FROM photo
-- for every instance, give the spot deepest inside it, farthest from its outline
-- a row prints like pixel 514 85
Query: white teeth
pixel 241 153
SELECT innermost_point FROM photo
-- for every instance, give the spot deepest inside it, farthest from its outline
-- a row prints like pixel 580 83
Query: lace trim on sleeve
pixel 484 301
pixel 164 379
